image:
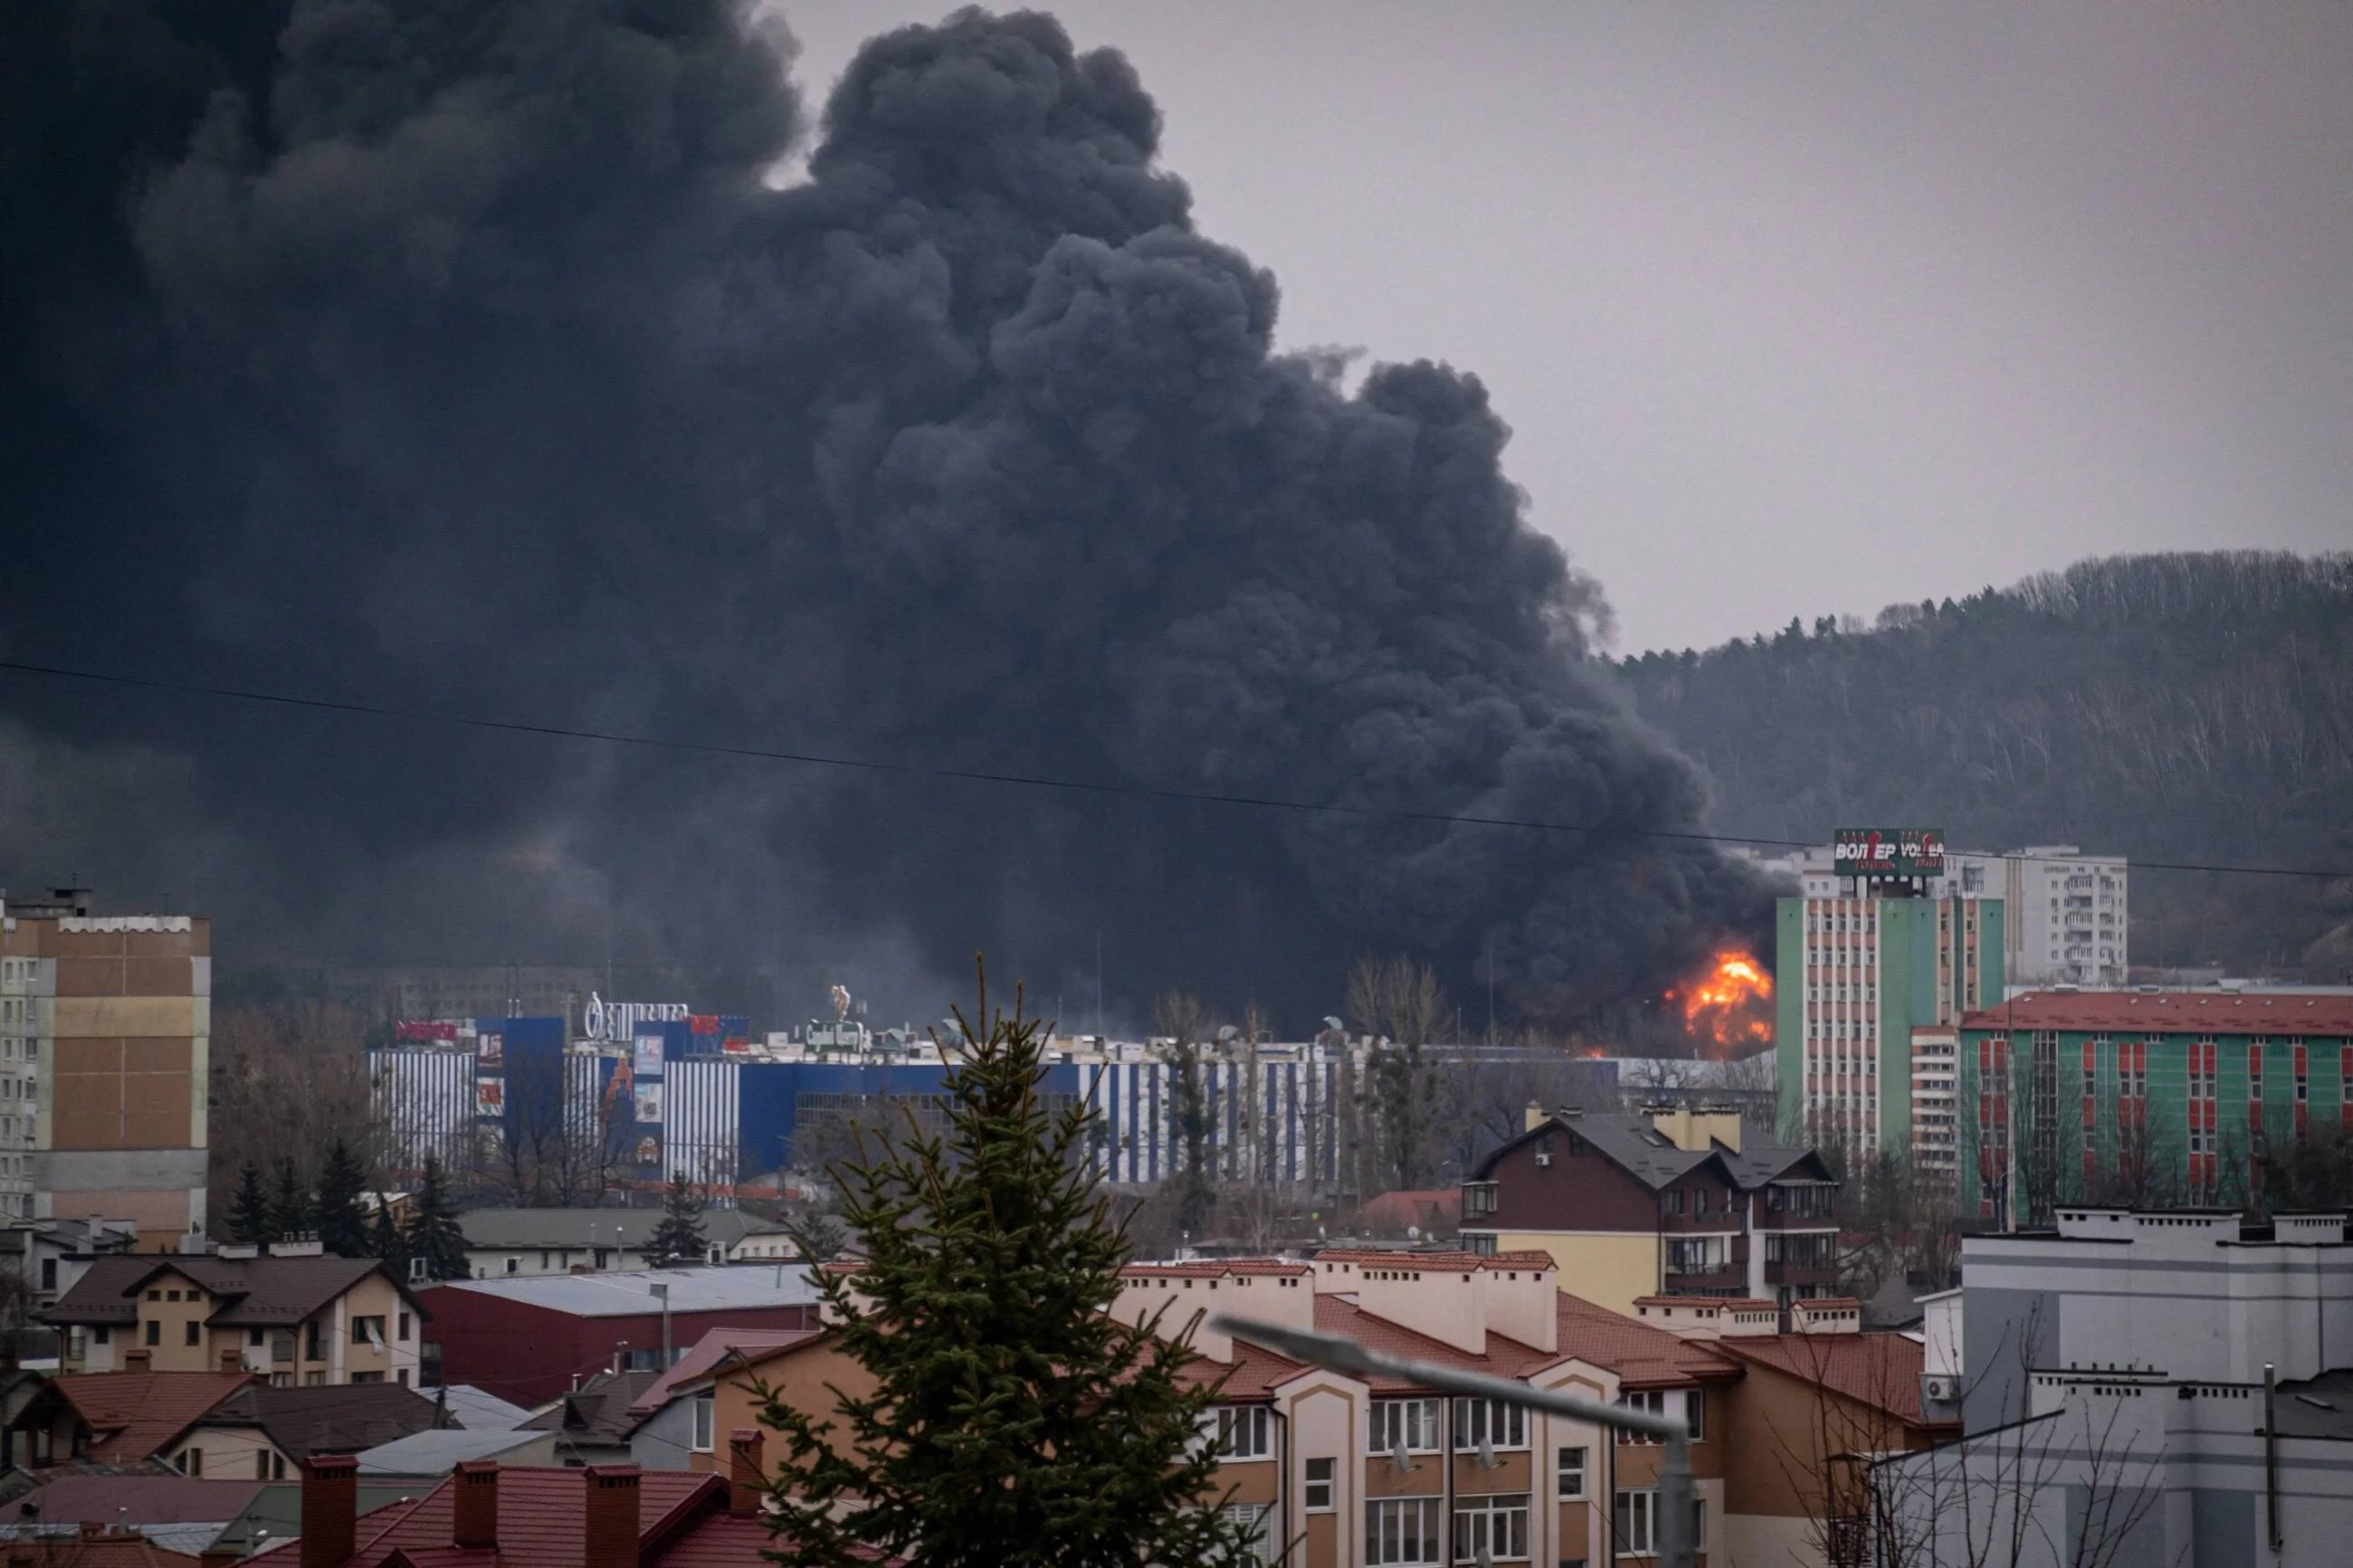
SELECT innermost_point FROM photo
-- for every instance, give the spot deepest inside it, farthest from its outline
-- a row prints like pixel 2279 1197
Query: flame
pixel 1729 1002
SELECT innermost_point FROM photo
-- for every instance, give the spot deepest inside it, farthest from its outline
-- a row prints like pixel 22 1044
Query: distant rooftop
pixel 625 1294
pixel 583 1229
pixel 2256 1011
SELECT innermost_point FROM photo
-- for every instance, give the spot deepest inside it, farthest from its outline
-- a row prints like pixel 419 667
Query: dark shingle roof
pixel 342 1419
pixel 249 1292
pixel 599 1409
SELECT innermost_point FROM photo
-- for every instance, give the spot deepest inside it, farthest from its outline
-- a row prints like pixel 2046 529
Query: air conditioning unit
pixel 1543 1158
pixel 1937 1390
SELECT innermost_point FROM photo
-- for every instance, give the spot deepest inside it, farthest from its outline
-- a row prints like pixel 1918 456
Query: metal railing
pixel 1341 1353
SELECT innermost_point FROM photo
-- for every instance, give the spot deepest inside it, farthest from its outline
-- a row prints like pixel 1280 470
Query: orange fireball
pixel 1730 1001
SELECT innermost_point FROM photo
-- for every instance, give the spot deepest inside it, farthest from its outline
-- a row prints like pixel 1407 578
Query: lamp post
pixel 1343 1354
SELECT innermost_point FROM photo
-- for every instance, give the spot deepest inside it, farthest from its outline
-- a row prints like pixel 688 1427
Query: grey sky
pixel 1803 309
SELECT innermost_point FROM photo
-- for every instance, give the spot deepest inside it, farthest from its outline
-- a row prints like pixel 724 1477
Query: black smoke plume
pixel 471 357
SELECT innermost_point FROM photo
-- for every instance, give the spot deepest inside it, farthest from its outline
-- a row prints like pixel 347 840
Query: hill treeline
pixel 2192 708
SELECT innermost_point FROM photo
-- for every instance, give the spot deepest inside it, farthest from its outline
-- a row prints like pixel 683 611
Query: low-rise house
pixel 676 1423
pixel 486 1515
pixel 95 1545
pixel 266 1432
pixel 299 1319
pixel 501 1243
pixel 1677 1202
pixel 593 1422
pixel 179 1513
pixel 530 1339
pixel 118 1417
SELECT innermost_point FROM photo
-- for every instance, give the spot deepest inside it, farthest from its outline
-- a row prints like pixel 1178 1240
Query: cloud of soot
pixel 459 356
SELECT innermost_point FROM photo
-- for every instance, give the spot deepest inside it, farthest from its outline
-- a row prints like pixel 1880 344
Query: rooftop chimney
pixel 330 1497
pixel 232 1359
pixel 477 1504
pixel 137 1358
pixel 612 1517
pixel 1536 1116
pixel 745 1470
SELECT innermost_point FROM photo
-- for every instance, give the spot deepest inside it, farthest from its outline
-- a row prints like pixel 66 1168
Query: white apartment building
pixel 20 1091
pixel 2138 1386
pixel 1936 1134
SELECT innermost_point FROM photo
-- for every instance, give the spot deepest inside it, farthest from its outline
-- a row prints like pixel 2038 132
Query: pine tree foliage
pixel 1014 1419
pixel 386 1241
pixel 342 1221
pixel 250 1219
pixel 291 1214
pixel 679 1238
pixel 435 1239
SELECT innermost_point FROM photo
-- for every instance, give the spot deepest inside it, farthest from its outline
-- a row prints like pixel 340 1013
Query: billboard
pixel 490 1051
pixel 647 1053
pixel 439 1031
pixel 1876 852
pixel 649 1104
pixel 490 1097
pixel 616 1022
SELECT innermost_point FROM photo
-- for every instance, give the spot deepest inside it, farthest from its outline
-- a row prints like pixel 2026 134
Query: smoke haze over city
pixel 466 360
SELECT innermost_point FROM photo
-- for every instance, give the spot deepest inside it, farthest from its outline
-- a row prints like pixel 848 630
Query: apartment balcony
pixel 1728 1277
pixel 1794 1274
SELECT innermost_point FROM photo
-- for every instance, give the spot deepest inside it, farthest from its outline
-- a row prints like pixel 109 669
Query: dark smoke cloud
pixel 462 356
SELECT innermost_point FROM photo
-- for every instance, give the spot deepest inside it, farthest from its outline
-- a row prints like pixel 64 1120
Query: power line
pixel 1026 781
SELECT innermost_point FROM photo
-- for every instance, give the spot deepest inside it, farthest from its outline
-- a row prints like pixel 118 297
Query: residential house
pixel 176 1512
pixel 681 1425
pixel 300 1320
pixel 95 1545
pixel 1668 1203
pixel 117 1418
pixel 500 1243
pixel 593 1422
pixel 265 1432
pixel 486 1515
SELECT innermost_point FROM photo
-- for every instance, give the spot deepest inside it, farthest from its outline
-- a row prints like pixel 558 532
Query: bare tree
pixel 1182 1019
pixel 287 1077
pixel 1399 1005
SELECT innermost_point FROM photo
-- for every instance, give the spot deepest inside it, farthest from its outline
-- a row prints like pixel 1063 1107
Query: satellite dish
pixel 1402 1459
pixel 1487 1461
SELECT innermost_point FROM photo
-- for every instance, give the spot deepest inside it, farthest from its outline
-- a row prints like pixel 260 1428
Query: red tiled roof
pixel 1882 1370
pixel 1392 1212
pixel 109 1548
pixel 707 1352
pixel 542 1520
pixel 133 1500
pixel 1505 1357
pixel 1641 1356
pixel 1531 1258
pixel 1429 1262
pixel 132 1415
pixel 2131 1012
pixel 1254 1373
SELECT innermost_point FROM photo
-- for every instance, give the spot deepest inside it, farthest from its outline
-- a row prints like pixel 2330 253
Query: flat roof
pixel 625 1294
pixel 2171 1013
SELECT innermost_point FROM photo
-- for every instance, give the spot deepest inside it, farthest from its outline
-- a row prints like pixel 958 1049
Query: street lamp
pixel 1343 1354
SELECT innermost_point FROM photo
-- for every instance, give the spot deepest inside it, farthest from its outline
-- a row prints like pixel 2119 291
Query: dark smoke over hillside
pixel 460 357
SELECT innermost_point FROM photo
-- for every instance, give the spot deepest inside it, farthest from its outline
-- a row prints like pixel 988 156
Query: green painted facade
pixel 2161 1170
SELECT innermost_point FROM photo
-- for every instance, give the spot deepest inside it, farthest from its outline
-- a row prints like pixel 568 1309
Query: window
pixel 514 1264
pixel 404 1328
pixel 257 1336
pixel 1570 1467
pixel 367 1377
pixel 401 1377
pixel 262 1464
pixel 1638 1523
pixel 154 1331
pixel 1651 1401
pixel 105 1334
pixel 314 1341
pixel 1695 1414
pixel 1407 1423
pixel 192 1461
pixel 50 1265
pixel 1489 1421
pixel 1317 1495
pixel 1240 1431
pixel 1401 1530
pixel 368 1331
pixel 1493 1528
pixel 195 1332
pixel 1478 1199
pixel 314 1379
pixel 1251 1516
pixel 1695 1255
pixel 706 1412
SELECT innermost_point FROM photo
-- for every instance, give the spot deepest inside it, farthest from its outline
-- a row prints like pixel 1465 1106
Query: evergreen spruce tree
pixel 435 1238
pixel 289 1207
pixel 342 1222
pixel 679 1238
pixel 250 1219
pixel 1014 1419
pixel 385 1240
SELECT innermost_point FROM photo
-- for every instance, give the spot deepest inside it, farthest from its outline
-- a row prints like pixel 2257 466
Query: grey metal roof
pixel 582 1229
pixel 438 1452
pixel 478 1410
pixel 624 1293
pixel 2317 1407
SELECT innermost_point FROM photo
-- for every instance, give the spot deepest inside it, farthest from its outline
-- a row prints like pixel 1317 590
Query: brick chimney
pixel 331 1496
pixel 137 1360
pixel 476 1503
pixel 612 1517
pixel 745 1470
pixel 232 1359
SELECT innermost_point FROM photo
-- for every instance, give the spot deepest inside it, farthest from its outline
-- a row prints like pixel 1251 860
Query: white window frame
pixel 1328 1483
pixel 1239 1431
pixel 1580 1471
pixel 1634 1523
pixel 1505 1427
pixel 704 1437
pixel 1398 1529
pixel 1649 1401
pixel 1262 1546
pixel 1499 1523
pixel 1415 1420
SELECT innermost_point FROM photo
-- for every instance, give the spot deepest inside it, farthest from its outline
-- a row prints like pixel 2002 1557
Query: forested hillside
pixel 2184 708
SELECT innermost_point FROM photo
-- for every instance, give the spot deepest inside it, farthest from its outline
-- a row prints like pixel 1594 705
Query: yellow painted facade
pixel 1609 1269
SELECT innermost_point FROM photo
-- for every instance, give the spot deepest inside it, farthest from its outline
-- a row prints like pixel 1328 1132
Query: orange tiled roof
pixel 1531 1258
pixel 1882 1370
pixel 1642 1357
pixel 1505 1356
pixel 1436 1262
pixel 132 1415
pixel 1254 1373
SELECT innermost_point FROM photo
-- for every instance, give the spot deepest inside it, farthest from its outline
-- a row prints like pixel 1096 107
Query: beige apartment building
pixel 105 1039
